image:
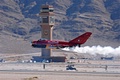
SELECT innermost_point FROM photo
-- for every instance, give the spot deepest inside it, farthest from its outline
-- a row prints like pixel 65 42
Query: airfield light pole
pixel 46 22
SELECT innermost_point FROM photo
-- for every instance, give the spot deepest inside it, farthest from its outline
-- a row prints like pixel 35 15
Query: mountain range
pixel 19 22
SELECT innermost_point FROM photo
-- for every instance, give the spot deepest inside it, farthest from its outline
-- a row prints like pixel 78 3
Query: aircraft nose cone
pixel 33 43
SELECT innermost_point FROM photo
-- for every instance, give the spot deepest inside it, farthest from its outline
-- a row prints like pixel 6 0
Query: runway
pixel 57 71
pixel 56 75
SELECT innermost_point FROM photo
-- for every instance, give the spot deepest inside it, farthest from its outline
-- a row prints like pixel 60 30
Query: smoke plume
pixel 107 50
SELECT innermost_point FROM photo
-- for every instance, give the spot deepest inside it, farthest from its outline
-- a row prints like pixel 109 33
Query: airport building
pixel 47 21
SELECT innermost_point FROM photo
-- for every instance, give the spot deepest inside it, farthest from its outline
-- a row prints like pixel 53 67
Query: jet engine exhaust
pixel 107 50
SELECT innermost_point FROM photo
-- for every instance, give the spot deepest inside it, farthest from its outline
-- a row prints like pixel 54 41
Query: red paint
pixel 61 44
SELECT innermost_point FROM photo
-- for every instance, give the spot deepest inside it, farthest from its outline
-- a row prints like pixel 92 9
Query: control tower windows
pixel 45 20
pixel 45 10
pixel 52 20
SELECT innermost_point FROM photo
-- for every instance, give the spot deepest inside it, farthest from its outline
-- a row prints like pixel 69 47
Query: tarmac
pixel 89 70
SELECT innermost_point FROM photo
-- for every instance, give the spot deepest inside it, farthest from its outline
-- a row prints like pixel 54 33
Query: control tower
pixel 46 22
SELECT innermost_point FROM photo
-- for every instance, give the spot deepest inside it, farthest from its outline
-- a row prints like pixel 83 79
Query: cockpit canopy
pixel 42 39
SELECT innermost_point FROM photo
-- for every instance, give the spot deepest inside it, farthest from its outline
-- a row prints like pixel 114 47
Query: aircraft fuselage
pixel 43 43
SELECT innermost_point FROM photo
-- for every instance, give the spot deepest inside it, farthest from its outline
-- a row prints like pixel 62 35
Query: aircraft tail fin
pixel 81 39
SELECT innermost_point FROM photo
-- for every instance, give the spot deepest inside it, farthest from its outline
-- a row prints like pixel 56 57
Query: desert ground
pixel 86 70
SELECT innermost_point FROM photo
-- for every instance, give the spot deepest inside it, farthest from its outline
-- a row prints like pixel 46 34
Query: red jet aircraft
pixel 44 43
